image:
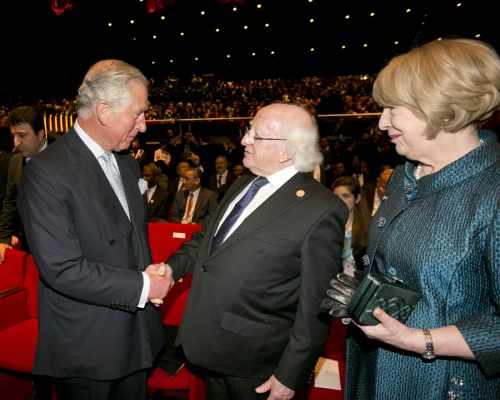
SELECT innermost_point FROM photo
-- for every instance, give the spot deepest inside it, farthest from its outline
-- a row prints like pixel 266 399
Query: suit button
pixel 381 221
pixel 112 241
pixel 392 271
pixel 203 268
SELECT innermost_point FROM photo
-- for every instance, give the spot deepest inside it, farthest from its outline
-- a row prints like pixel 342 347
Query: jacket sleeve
pixel 321 259
pixel 482 333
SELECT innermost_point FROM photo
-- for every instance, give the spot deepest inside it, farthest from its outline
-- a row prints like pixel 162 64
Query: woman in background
pixel 348 190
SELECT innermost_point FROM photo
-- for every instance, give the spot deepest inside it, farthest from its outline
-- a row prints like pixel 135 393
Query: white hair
pixel 303 141
pixel 107 80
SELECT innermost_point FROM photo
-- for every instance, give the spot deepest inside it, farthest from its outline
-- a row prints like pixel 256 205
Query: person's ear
pixel 41 135
pixel 103 112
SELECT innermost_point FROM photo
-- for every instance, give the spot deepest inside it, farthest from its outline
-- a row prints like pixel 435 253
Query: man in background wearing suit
pixel 28 134
pixel 194 204
pixel 156 196
pixel 85 220
pixel 222 179
pixel 262 264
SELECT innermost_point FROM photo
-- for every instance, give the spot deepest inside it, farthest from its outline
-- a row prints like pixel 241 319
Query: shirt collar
pixel 281 177
pixel 92 145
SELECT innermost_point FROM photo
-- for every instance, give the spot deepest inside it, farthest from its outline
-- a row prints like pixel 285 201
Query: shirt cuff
pixel 145 291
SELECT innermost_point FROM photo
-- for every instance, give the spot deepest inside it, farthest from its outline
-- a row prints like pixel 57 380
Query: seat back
pixel 12 270
pixel 165 238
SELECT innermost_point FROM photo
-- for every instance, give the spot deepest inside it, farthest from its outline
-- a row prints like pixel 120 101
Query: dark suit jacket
pixel 205 205
pixel 212 184
pixel 10 223
pixel 89 255
pixel 254 305
pixel 157 207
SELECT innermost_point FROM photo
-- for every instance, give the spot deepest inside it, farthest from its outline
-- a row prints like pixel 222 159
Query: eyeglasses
pixel 255 135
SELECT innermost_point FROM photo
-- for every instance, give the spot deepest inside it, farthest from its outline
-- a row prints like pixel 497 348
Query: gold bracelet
pixel 428 353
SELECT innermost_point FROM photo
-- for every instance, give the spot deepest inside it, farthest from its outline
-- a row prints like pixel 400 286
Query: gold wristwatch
pixel 428 353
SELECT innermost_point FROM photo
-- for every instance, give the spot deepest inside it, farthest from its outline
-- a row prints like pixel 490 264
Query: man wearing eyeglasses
pixel 262 265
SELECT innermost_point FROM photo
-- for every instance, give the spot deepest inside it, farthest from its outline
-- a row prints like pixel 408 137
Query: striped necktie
pixel 237 210
pixel 113 174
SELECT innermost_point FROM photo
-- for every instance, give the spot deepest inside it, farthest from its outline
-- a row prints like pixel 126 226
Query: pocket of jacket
pixel 243 326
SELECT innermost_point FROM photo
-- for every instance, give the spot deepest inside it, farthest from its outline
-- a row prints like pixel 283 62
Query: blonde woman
pixel 438 229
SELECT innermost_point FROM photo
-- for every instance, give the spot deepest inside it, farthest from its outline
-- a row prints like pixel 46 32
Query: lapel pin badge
pixel 300 193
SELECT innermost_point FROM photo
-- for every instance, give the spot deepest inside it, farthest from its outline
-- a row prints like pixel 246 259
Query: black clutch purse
pixel 378 290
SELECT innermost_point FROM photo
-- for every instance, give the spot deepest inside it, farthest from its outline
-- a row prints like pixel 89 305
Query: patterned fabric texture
pixel 442 235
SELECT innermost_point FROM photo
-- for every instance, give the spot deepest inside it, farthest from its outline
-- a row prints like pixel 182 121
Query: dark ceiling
pixel 45 56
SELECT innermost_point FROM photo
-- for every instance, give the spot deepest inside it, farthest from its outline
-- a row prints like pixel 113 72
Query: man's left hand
pixel 277 391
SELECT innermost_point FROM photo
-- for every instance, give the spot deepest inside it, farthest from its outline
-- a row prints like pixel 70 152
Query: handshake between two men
pixel 160 282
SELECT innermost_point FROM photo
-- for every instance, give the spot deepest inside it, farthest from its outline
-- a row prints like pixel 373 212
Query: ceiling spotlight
pixel 110 24
pixel 253 54
pixel 311 20
pixel 153 62
pixel 217 30
pixel 132 21
pixel 459 4
pixel 134 39
pixel 266 25
pixel 396 42
pixel 162 18
pixel 228 55
pixel 154 36
pixel 372 14
pixel 196 59
pixel 310 1
pixel 202 12
pixel 408 10
pixel 312 49
pixel 365 44
pixel 235 8
pixel 344 46
pixel 245 27
pixel 478 35
pixel 182 33
pixel 347 16
pixel 272 52
pixel 259 5
pixel 171 61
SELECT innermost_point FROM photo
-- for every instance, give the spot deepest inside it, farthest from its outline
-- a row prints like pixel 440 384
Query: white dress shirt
pixel 276 180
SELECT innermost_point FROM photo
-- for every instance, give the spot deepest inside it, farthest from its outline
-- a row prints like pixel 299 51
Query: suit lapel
pixel 233 191
pixel 286 197
pixel 199 203
pixel 131 188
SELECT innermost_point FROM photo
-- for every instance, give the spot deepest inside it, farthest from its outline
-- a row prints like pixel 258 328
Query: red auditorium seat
pixel 19 311
pixel 184 382
pixel 165 238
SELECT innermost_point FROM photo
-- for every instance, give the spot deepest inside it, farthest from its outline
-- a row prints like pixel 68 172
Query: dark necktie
pixel 237 210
